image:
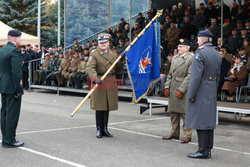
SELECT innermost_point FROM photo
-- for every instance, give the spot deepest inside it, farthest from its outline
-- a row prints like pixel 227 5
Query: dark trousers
pixel 25 79
pixel 205 140
pixel 102 118
pixel 10 112
pixel 79 79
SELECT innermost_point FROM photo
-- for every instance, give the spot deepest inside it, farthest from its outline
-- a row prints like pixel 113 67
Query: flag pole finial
pixel 159 12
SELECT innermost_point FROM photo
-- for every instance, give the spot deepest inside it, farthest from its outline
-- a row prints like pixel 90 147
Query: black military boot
pixel 98 116
pixel 105 124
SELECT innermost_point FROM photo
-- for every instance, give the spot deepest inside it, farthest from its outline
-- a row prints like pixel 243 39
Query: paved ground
pixel 53 138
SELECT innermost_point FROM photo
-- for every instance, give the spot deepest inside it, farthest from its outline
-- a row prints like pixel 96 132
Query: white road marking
pixel 90 126
pixel 155 136
pixel 50 157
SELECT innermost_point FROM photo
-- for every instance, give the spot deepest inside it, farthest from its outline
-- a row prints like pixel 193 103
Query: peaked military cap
pixel 14 33
pixel 103 37
pixel 184 42
pixel 205 33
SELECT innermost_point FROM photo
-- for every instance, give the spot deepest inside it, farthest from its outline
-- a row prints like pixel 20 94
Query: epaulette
pixel 201 47
pixel 93 50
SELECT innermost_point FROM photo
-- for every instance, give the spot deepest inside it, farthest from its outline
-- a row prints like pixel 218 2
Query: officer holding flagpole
pixel 105 98
pixel 202 94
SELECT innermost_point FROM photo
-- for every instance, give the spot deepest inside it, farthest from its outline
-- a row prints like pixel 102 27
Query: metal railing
pixel 113 27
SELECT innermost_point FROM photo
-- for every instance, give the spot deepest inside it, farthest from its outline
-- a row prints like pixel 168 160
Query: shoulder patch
pixel 93 50
pixel 197 55
pixel 90 58
pixel 201 47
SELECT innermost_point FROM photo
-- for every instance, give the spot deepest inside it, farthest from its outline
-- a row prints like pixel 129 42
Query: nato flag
pixel 143 62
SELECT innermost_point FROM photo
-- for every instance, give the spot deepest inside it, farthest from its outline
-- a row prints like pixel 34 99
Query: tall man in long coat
pixel 176 87
pixel 202 94
pixel 105 97
pixel 11 88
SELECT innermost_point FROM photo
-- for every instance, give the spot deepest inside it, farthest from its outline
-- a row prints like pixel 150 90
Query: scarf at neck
pixel 236 66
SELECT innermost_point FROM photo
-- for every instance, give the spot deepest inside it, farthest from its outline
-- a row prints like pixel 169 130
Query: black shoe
pixel 99 133
pixel 16 144
pixel 209 154
pixel 106 133
pixel 198 155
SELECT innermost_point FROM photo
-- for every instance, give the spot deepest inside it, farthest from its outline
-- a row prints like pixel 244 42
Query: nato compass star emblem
pixel 145 62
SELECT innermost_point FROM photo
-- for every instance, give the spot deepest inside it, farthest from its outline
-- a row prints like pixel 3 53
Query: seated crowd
pixel 176 23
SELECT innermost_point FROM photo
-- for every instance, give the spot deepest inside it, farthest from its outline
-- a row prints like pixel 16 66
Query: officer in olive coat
pixel 202 94
pixel 105 98
pixel 11 88
pixel 176 88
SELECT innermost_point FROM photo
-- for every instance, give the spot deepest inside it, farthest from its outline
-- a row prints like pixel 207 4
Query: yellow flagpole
pixel 159 13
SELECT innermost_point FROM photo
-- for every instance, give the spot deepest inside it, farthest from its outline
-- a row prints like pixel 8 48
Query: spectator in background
pixel 80 77
pixel 122 24
pixel 226 11
pixel 121 47
pixel 70 54
pixel 72 69
pixel 149 17
pixel 88 44
pixel 76 46
pixel 187 14
pixel 202 8
pixel 172 37
pixel 94 45
pixel 141 20
pixel 227 56
pixel 234 41
pixel 38 73
pixel 227 30
pixel 163 33
pixel 210 12
pixel 85 52
pixel 215 30
pixel 191 10
pixel 135 30
pixel 109 31
pixel 118 37
pixel 219 43
pixel 125 32
pixel 187 30
pixel 180 12
pixel 239 26
pixel 243 36
pixel 31 52
pixel 167 22
pixel 199 20
pixel 42 54
pixel 241 15
pixel 238 72
pixel 247 25
pixel 26 58
pixel 63 69
pixel 51 69
pixel 234 10
pixel 242 54
pixel 224 67
pixel 118 29
pixel 173 14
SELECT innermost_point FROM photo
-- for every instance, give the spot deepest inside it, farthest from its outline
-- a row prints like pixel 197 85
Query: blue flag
pixel 143 62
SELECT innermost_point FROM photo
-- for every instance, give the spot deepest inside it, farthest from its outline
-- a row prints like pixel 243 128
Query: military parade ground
pixel 54 139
